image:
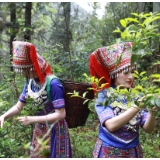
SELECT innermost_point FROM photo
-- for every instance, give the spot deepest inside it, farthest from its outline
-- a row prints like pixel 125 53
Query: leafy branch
pixel 140 32
pixel 139 95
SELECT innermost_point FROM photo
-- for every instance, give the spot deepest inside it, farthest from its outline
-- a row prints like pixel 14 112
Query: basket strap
pixel 49 79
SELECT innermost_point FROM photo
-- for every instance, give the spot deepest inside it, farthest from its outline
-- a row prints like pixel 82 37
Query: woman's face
pixel 125 79
pixel 29 74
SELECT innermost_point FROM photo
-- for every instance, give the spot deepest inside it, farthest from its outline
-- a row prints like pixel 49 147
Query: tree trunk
pixel 66 7
pixel 27 35
pixel 13 22
pixel 66 44
pixel 141 6
pixel 156 8
pixel 13 34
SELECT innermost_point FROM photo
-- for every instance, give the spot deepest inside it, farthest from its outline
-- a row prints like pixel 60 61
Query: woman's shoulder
pixel 55 83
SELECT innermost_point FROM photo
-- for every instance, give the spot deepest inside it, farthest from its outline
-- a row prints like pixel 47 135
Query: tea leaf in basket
pixel 75 95
pixel 90 88
pixel 85 101
pixel 69 93
pixel 84 94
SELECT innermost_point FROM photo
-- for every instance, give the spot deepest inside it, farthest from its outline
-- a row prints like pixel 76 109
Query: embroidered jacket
pixel 127 136
pixel 56 96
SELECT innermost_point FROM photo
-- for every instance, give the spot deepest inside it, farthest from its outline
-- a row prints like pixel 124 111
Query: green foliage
pixel 83 139
pixel 150 143
pixel 13 134
pixel 140 32
pixel 87 34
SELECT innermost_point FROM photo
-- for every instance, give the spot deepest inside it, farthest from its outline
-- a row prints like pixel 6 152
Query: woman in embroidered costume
pixel 118 134
pixel 36 69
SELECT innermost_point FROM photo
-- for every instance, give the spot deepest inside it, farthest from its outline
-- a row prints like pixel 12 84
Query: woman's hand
pixel 27 120
pixel 2 121
pixel 154 109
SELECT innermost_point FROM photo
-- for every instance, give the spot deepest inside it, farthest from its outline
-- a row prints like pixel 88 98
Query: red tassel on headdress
pixel 48 70
pixel 37 70
pixel 98 71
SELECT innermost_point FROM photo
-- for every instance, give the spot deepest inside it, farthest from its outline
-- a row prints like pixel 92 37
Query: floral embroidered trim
pixel 58 103
pixel 106 115
pixel 39 131
pixel 139 151
pixel 62 139
pixel 113 152
pixel 97 148
pixel 22 97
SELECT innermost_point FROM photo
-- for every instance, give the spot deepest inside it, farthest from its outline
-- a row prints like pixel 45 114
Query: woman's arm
pixel 11 112
pixel 59 114
pixel 107 118
pixel 14 110
pixel 121 120
pixel 149 123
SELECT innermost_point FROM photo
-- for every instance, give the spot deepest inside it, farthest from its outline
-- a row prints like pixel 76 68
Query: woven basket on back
pixel 76 112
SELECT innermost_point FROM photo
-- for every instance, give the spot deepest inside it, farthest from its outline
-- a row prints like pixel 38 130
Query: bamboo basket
pixel 76 112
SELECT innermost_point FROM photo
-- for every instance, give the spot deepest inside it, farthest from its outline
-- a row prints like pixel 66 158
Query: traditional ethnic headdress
pixel 103 62
pixel 25 57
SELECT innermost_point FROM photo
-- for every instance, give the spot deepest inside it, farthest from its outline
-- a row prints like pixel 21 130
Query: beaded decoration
pixel 37 96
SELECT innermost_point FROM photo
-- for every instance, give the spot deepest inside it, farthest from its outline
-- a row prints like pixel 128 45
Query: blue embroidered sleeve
pixel 23 94
pixel 104 113
pixel 57 94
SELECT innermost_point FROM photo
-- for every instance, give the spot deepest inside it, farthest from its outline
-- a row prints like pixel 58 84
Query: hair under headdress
pixel 25 57
pixel 103 62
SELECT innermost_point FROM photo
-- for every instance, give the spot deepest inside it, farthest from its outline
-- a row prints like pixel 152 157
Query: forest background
pixel 65 35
